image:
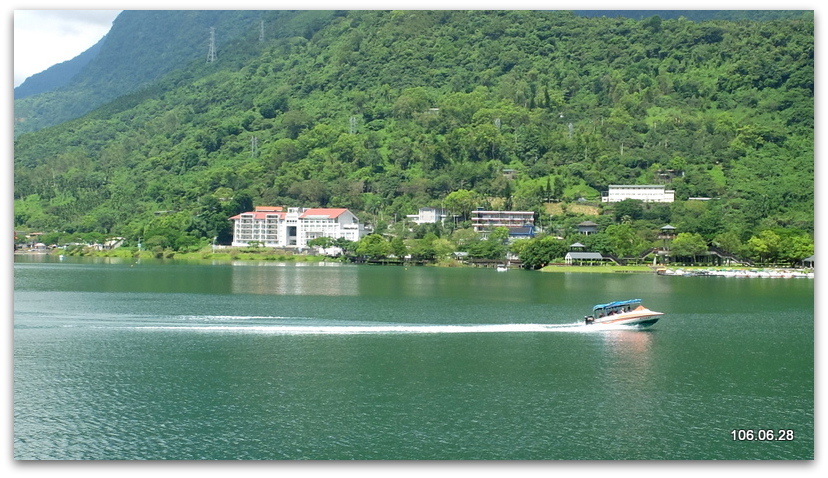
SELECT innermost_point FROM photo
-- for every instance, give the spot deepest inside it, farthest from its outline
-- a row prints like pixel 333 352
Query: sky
pixel 43 38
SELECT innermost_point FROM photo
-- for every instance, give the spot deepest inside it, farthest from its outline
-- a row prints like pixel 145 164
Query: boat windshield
pixel 617 307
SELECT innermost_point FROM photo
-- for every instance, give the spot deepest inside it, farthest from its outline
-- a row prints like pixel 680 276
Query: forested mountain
pixel 142 46
pixel 701 15
pixel 384 112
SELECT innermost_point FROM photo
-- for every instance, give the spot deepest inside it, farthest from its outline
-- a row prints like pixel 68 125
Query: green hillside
pixel 142 46
pixel 385 112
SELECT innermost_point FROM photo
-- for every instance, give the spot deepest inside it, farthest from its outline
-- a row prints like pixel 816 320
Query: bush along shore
pixel 273 255
pixel 225 254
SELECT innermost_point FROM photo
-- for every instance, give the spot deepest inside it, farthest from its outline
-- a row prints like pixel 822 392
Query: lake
pixel 163 360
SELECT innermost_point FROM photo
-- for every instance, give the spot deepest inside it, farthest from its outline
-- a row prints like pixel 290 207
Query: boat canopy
pixel 619 303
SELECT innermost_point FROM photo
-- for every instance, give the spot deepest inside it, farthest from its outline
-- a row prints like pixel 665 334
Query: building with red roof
pixel 273 226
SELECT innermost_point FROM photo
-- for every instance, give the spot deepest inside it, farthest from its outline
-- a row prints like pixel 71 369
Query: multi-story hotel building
pixel 646 193
pixel 276 227
pixel 486 221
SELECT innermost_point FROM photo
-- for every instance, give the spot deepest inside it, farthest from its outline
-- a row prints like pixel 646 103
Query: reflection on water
pixel 632 403
pixel 292 279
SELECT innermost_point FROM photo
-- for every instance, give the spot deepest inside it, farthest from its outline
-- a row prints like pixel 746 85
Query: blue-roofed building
pixel 522 232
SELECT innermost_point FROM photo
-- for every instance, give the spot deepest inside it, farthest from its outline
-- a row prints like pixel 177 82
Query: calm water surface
pixel 152 360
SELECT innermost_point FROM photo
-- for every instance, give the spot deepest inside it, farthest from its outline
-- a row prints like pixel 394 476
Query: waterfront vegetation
pixel 386 112
pixel 265 254
pixel 240 254
pixel 624 244
pixel 207 254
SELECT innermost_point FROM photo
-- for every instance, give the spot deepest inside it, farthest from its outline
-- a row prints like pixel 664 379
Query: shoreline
pixel 208 257
pixel 600 269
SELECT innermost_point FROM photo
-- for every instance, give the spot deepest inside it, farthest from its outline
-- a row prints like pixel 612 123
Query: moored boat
pixel 623 312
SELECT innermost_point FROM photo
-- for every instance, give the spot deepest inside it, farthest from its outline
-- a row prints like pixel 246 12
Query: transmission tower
pixel 254 147
pixel 353 128
pixel 261 31
pixel 211 51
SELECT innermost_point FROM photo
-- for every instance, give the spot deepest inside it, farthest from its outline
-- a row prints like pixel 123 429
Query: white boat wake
pixel 205 325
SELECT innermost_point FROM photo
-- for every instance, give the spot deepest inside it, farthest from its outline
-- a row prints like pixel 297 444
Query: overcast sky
pixel 43 38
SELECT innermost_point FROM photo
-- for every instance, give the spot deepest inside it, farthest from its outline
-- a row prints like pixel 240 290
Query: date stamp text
pixel 769 434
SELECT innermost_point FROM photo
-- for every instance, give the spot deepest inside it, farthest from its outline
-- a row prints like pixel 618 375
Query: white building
pixel 486 221
pixel 642 192
pixel 428 215
pixel 275 227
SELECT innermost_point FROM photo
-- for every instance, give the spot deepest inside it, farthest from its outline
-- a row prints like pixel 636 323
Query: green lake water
pixel 273 361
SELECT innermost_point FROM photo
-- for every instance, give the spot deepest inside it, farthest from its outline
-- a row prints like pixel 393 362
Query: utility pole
pixel 211 51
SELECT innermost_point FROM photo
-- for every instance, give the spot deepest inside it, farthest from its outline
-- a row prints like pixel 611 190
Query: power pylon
pixel 211 51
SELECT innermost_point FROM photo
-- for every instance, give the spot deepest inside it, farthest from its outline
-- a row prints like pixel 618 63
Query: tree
pixel 624 240
pixel 348 247
pixel 167 230
pixel 487 249
pixel 323 242
pixel 765 247
pixel 538 252
pixel 633 208
pixel 295 122
pixel 242 202
pixel 463 202
pixel 688 244
pixel 729 242
pixel 398 248
pixel 442 248
pixel 424 249
pixel 500 234
pixel 797 248
pixel 464 237
pixel 373 246
pixel 557 189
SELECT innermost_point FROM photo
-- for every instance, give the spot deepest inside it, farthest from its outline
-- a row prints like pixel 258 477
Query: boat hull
pixel 640 317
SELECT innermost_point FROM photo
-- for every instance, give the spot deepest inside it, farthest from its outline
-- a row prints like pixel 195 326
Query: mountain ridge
pixel 62 74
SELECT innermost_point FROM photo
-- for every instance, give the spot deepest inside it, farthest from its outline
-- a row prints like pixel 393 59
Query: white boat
pixel 623 312
pixel 502 268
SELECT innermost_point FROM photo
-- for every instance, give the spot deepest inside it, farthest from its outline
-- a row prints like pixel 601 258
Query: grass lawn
pixel 203 255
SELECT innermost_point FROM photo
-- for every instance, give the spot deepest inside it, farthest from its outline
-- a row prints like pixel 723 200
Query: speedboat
pixel 623 312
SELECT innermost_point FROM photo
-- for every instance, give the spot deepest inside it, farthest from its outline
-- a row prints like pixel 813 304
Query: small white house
pixel 428 215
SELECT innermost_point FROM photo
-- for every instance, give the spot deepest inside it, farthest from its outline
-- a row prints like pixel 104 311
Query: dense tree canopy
pixel 385 112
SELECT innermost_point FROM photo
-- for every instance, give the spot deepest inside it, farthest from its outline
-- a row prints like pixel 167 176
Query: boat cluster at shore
pixel 742 273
